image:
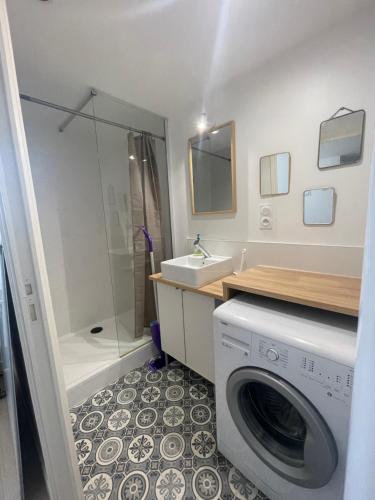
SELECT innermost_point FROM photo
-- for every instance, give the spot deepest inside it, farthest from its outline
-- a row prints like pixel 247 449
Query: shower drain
pixel 96 329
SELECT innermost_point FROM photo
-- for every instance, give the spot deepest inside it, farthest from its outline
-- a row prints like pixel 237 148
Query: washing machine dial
pixel 272 354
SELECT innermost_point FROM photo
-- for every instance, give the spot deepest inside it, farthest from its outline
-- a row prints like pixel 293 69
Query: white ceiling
pixel 160 54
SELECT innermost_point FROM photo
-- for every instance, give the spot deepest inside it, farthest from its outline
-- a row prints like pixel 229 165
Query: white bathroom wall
pixel 277 108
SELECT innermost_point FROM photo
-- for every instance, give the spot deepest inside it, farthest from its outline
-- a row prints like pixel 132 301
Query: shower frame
pixel 78 112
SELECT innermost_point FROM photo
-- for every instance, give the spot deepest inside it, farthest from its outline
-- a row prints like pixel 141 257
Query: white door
pixel 171 319
pixel 199 341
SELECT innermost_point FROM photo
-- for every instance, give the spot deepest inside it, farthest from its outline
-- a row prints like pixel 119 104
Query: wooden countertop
pixel 324 291
pixel 214 289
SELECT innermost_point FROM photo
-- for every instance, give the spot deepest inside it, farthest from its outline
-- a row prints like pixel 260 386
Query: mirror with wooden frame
pixel 212 165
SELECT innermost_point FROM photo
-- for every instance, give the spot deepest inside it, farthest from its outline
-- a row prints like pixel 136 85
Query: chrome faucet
pixel 199 247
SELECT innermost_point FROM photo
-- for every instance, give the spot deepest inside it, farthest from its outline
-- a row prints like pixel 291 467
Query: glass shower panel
pixel 67 181
pixel 115 158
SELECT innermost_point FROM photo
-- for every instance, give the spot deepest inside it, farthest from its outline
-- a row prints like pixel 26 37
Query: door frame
pixel 360 477
pixel 24 255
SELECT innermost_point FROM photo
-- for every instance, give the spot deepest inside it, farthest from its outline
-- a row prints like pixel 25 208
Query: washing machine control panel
pixel 336 380
pixel 332 380
pixel 272 354
pixel 271 351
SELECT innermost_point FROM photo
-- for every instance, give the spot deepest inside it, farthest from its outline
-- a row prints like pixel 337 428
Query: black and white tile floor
pixel 151 435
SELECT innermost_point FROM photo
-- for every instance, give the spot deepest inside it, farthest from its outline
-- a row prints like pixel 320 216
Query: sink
pixel 196 271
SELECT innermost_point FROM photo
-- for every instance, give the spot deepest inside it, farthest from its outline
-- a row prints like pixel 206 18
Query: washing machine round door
pixel 282 427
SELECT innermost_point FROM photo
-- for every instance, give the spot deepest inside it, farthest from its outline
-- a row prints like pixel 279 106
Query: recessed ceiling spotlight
pixel 215 131
pixel 132 157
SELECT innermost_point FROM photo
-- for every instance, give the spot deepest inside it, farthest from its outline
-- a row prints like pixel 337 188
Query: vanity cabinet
pixel 171 317
pixel 186 327
pixel 199 341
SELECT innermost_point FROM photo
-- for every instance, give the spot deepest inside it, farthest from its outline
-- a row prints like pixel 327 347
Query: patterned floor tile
pixel 152 436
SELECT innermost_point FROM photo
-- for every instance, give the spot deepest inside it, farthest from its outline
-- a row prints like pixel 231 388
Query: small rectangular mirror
pixel 319 206
pixel 341 140
pixel 274 174
pixel 213 171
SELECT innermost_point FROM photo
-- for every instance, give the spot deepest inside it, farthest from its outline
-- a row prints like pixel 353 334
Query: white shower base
pixel 91 361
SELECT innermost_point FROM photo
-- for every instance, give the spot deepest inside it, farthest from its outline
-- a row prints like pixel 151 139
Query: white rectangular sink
pixel 196 271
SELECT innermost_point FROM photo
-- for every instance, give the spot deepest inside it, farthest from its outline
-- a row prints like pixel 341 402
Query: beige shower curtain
pixel 145 202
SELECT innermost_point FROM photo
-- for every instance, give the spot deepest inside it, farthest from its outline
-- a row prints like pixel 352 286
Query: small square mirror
pixel 341 140
pixel 274 174
pixel 319 206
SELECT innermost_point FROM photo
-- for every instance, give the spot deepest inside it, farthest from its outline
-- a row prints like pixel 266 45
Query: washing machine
pixel 283 377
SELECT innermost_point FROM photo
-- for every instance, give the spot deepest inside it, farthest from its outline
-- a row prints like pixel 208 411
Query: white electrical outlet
pixel 265 216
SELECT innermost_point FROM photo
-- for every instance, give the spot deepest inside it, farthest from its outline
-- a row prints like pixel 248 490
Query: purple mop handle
pixel 148 238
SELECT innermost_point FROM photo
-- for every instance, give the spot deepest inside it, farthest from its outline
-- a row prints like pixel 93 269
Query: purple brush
pixel 148 239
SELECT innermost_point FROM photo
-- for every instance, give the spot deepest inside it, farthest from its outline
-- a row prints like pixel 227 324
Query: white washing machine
pixel 283 376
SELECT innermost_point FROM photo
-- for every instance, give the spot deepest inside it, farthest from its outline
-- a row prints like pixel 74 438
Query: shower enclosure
pixel 83 172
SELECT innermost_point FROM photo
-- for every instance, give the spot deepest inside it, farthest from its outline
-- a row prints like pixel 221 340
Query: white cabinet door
pixel 171 319
pixel 199 342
